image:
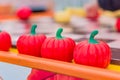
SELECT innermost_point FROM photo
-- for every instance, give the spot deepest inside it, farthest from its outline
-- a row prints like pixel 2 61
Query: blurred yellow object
pixel 62 16
pixel 111 13
pixel 117 13
pixel 114 67
pixel 69 10
pixel 76 11
pixel 79 12
pixel 14 50
pixel 108 14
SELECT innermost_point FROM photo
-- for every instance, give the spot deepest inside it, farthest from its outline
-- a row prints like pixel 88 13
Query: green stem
pixel 92 35
pixel 58 33
pixel 33 32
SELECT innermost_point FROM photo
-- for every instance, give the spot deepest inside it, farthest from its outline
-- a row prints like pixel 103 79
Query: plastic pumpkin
pixel 5 41
pixel 39 75
pixel 92 52
pixel 58 48
pixel 30 44
pixel 44 75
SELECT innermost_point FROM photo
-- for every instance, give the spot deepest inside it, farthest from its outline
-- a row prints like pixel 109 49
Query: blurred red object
pixel 92 11
pixel 45 75
pixel 24 13
pixel 39 75
pixel 118 25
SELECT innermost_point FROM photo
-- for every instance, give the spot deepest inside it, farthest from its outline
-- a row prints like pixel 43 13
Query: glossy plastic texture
pixel 30 44
pixel 5 41
pixel 92 52
pixel 118 25
pixel 45 75
pixel 58 48
pixel 24 13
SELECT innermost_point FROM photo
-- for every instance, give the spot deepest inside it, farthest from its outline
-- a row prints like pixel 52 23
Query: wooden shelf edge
pixel 71 69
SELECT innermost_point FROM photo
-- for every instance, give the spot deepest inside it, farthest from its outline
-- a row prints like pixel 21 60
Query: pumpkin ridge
pixel 35 46
pixel 70 49
pixel 64 46
pixel 43 46
pixel 40 41
pixel 53 49
pixel 28 42
pixel 46 46
pixel 45 42
pixel 81 44
pixel 22 38
pixel 68 42
pixel 104 54
pixel 82 49
pixel 88 53
pixel 97 52
pixel 80 54
pixel 6 40
pixel 78 47
pixel 72 41
pixel 101 55
pixel 108 51
pixel 77 51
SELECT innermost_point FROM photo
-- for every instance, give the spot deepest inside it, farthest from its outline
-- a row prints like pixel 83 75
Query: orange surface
pixel 47 13
pixel 66 68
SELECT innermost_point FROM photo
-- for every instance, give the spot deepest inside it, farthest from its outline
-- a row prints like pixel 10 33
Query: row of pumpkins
pixel 88 52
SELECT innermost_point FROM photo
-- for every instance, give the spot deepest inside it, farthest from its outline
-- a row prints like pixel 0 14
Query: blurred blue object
pixel 60 5
pixel 13 72
pixel 109 4
pixel 38 8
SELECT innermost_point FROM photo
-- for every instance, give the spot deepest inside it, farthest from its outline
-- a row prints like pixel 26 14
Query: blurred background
pixel 12 5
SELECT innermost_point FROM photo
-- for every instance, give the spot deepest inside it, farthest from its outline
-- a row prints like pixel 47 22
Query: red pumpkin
pixel 5 41
pixel 39 75
pixel 44 75
pixel 92 52
pixel 30 44
pixel 58 48
pixel 118 25
pixel 24 13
